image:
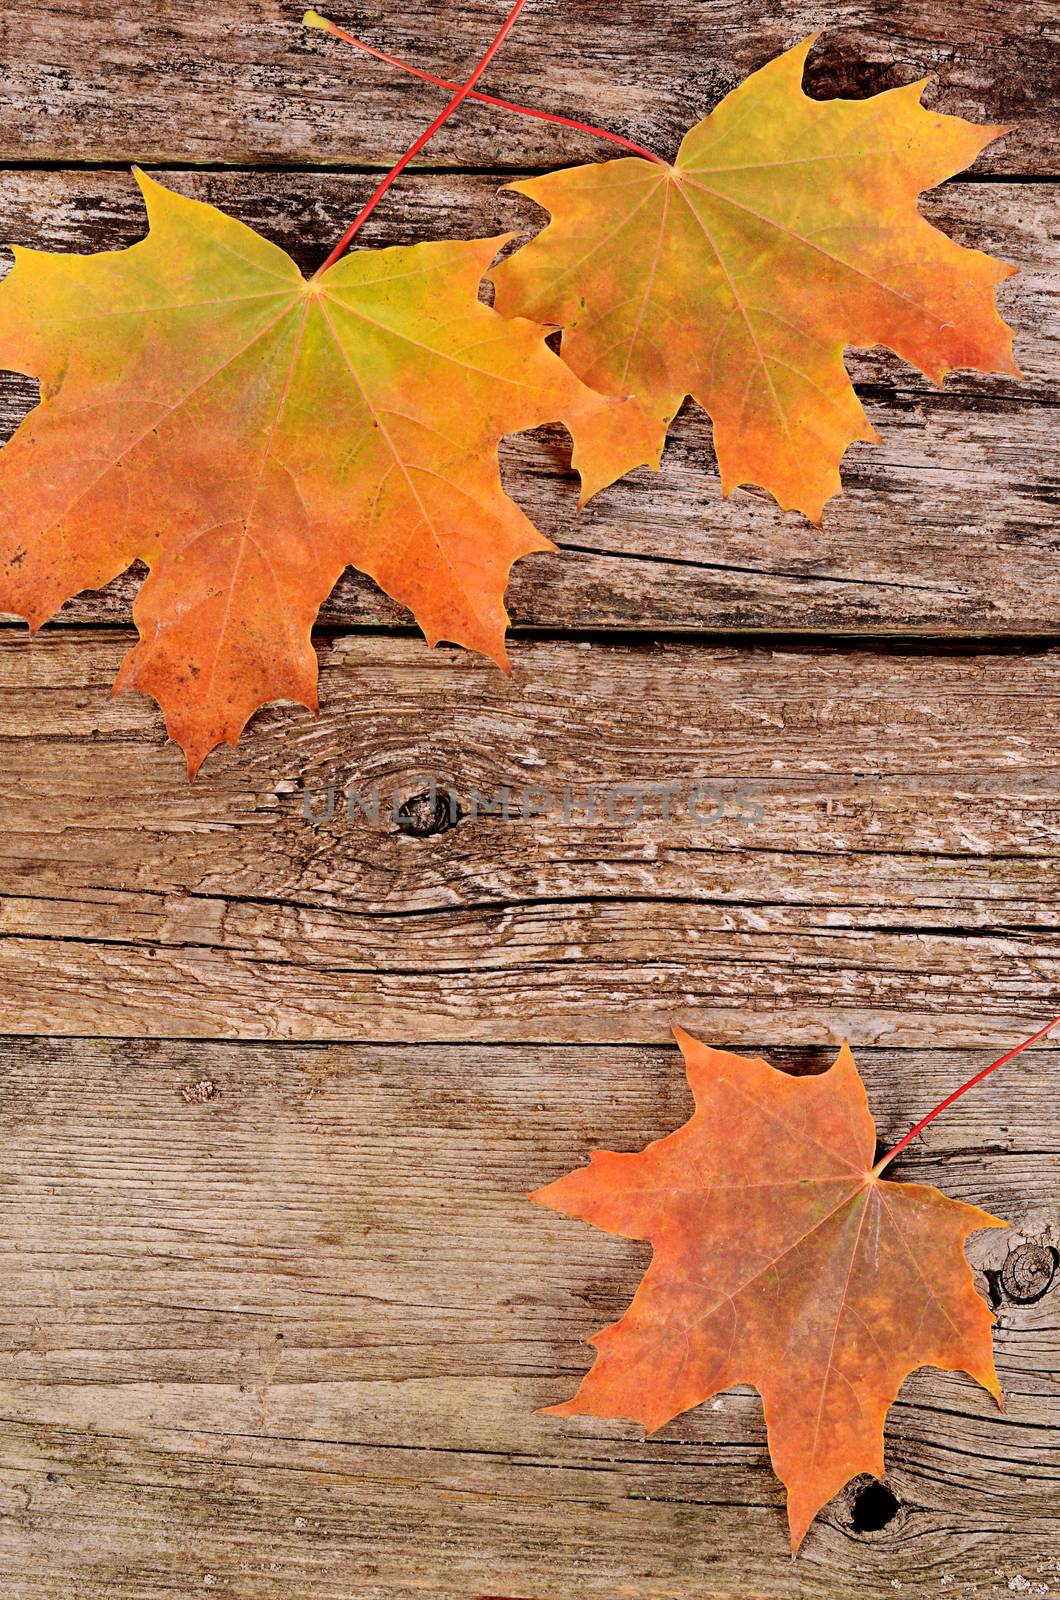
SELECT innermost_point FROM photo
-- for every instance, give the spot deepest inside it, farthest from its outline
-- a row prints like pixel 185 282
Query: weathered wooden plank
pixel 276 1321
pixel 892 876
pixel 194 82
pixel 949 526
pixel 86 210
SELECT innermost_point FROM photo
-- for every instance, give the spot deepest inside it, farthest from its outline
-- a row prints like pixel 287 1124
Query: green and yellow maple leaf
pixel 786 230
pixel 249 433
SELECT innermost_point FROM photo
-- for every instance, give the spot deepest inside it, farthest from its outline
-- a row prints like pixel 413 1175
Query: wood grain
pixel 274 1317
pixel 288 1331
pixel 948 527
pixel 898 883
pixel 198 82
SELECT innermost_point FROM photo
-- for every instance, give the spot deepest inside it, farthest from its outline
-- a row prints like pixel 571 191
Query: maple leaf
pixel 781 1259
pixel 786 230
pixel 249 433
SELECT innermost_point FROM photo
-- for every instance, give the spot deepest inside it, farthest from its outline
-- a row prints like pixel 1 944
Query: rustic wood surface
pixel 194 81
pixel 277 1321
pixel 275 1317
pixel 892 872
pixel 949 525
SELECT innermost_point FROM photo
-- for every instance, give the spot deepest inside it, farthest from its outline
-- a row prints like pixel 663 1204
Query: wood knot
pixel 422 815
pixel 1028 1272
pixel 870 1506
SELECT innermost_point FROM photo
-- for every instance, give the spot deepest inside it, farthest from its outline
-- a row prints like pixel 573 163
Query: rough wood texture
pixel 900 884
pixel 949 526
pixel 201 82
pixel 274 1317
pixel 280 1320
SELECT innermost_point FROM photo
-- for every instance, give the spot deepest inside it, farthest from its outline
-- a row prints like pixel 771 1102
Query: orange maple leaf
pixel 249 433
pixel 786 230
pixel 781 1259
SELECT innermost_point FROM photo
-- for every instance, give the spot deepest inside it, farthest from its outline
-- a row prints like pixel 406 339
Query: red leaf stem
pixel 956 1095
pixel 313 19
pixel 428 133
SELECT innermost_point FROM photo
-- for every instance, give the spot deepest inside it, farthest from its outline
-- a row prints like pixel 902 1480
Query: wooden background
pixel 275 1316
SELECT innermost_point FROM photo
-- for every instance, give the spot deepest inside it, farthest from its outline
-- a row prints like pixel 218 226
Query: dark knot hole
pixel 874 1507
pixel 424 815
